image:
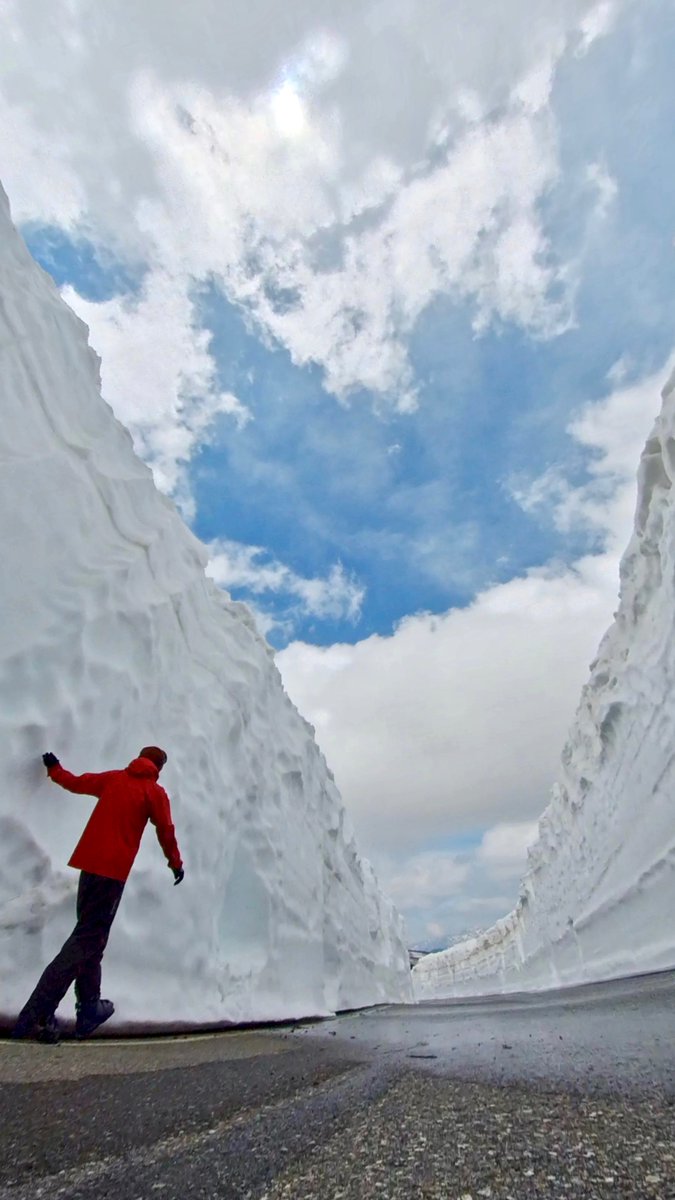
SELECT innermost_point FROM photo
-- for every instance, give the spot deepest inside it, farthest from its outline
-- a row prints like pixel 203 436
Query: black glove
pixel 178 875
pixel 50 760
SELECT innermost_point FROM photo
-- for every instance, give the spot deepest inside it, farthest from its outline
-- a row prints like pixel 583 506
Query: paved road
pixel 616 1036
pixel 524 1099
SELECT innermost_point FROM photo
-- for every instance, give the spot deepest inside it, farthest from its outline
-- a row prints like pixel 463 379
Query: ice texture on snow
pixel 112 637
pixel 598 898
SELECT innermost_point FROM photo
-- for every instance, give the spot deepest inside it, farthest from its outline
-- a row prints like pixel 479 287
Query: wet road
pixel 526 1098
pixel 618 1036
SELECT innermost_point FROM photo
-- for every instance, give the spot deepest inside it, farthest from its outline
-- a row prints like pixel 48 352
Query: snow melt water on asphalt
pixel 112 637
pixel 598 898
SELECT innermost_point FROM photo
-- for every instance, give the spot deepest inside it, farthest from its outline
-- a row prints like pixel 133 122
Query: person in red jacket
pixel 104 855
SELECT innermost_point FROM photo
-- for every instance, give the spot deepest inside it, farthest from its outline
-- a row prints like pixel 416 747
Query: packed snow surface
pixel 111 638
pixel 599 895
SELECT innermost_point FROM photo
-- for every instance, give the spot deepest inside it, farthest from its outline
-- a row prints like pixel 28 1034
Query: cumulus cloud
pixel 447 893
pixel 455 723
pixel 234 144
pixel 605 186
pixel 597 23
pixel 613 432
pixel 430 876
pixel 158 375
pixel 505 846
pixel 337 595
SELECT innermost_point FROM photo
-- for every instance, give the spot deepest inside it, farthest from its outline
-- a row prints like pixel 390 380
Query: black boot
pixel 25 1024
pixel 47 1032
pixel 90 1016
pixel 43 1029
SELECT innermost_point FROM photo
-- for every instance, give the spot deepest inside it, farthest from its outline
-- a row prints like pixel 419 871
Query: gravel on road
pixel 434 1139
pixel 312 1121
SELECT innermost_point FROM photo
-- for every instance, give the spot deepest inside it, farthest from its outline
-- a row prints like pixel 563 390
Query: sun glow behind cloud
pixel 289 112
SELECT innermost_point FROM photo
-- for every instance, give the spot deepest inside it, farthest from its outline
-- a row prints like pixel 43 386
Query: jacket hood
pixel 143 767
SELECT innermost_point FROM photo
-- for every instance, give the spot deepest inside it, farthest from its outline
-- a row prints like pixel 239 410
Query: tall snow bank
pixel 111 636
pixel 599 895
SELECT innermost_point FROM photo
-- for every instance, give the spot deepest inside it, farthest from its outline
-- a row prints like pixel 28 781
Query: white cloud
pixel 613 430
pixel 445 893
pixel 428 731
pixel 619 370
pixel 469 227
pixel 158 375
pixel 430 876
pixel 605 186
pixel 456 722
pixel 597 23
pixel 337 596
pixel 30 156
pixel 234 143
pixel 505 846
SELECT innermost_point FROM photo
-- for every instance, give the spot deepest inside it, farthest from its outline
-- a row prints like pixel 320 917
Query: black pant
pixel 79 959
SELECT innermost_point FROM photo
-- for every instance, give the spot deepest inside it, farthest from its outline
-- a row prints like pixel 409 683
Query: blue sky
pixel 503 301
pixel 417 507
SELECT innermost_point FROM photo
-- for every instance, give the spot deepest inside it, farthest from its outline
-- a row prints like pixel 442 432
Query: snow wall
pixel 598 898
pixel 112 637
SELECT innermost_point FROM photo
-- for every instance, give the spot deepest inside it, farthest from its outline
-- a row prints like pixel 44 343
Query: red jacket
pixel 127 800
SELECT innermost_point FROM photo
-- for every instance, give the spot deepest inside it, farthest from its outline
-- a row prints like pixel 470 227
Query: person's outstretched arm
pixel 160 815
pixel 86 785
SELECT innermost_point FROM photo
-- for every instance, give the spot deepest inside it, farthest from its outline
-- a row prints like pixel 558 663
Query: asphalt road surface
pixel 619 1036
pixel 569 1094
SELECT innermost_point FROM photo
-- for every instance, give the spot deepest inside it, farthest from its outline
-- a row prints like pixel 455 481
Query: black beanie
pixel 156 756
